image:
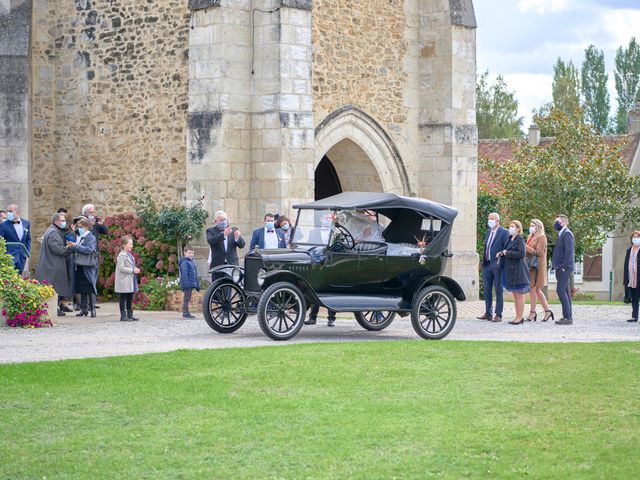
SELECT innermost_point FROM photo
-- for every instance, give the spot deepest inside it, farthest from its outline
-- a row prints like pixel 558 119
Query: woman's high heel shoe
pixel 549 316
pixel 534 318
pixel 517 322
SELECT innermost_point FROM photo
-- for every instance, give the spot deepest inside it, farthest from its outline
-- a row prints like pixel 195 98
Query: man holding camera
pixel 224 242
pixel 99 228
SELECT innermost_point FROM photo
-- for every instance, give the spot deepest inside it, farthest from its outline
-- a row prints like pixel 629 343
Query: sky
pixel 522 39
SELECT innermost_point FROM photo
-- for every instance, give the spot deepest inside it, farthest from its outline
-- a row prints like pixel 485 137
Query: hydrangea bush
pixel 158 234
pixel 153 257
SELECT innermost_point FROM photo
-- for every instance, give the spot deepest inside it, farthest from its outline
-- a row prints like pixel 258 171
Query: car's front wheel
pixel 224 306
pixel 434 312
pixel 375 320
pixel 281 311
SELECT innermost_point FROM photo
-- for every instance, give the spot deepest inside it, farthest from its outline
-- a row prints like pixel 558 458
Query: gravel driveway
pixel 165 331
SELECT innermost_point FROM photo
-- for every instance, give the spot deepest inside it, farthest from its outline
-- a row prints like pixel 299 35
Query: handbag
pixel 627 295
pixel 532 262
pixel 87 259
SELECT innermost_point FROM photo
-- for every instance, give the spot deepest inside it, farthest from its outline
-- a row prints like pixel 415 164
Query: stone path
pixel 165 331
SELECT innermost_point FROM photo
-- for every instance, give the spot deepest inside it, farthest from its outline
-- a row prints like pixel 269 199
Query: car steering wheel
pixel 347 239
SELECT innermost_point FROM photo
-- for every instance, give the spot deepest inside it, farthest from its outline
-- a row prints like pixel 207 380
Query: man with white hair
pixel 495 241
pixel 16 231
pixel 89 211
pixel 224 241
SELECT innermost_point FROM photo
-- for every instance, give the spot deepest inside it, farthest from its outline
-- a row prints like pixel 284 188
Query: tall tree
pixel 496 109
pixel 566 89
pixel 627 76
pixel 594 89
pixel 581 174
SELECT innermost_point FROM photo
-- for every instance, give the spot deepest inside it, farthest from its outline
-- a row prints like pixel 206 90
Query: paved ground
pixel 165 331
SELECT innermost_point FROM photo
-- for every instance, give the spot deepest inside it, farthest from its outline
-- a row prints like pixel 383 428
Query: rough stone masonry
pixel 239 101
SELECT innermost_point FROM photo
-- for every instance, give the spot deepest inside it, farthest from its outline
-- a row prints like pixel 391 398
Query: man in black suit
pixel 495 241
pixel 224 242
pixel 563 262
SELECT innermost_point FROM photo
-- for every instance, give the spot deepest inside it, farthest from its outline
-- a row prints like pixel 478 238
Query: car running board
pixel 363 303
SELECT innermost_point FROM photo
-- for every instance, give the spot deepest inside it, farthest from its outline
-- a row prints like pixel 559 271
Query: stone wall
pixel 15 20
pixel 358 58
pixel 109 103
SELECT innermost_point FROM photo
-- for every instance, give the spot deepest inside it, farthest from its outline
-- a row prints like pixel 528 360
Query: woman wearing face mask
pixel 536 249
pixel 631 270
pixel 284 225
pixel 515 270
pixel 85 277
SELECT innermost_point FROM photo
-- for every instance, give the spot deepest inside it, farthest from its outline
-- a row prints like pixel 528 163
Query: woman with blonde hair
pixel 536 258
pixel 514 269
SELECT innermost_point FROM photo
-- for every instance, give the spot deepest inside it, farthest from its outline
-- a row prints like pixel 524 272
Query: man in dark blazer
pixel 17 230
pixel 495 241
pixel 563 262
pixel 267 236
pixel 224 242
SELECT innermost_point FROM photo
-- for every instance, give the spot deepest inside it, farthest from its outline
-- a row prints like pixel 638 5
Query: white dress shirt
pixel 270 238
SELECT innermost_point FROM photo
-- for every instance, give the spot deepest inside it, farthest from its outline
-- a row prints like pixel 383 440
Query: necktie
pixel 270 231
pixel 487 253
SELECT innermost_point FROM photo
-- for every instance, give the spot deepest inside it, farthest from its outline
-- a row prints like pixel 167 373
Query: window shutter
pixel 592 266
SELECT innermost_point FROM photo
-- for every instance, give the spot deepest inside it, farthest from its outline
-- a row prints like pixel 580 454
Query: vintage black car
pixel 373 254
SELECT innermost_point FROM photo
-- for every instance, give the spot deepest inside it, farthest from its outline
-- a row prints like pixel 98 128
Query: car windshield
pixel 314 227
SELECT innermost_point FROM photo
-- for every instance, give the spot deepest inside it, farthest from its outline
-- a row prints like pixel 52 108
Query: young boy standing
pixel 188 280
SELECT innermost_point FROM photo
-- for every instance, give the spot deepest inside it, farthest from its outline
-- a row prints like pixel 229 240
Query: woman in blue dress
pixel 515 272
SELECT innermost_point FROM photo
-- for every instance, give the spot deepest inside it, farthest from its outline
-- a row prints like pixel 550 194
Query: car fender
pixel 274 276
pixel 224 271
pixel 444 281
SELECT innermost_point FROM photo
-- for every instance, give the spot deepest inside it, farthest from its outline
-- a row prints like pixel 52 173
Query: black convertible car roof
pixel 381 202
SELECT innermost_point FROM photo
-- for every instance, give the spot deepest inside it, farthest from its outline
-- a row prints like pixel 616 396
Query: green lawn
pixel 407 409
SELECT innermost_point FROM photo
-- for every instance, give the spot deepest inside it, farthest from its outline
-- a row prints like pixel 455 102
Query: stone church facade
pixel 253 105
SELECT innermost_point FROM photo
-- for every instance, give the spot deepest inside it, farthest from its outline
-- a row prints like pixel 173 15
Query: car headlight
pixel 236 275
pixel 261 276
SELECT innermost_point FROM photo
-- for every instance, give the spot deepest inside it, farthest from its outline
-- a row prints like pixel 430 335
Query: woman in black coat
pixel 515 272
pixel 631 270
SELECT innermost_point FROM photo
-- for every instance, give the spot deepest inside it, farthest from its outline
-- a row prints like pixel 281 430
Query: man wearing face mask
pixel 16 231
pixel 52 264
pixel 224 242
pixel 267 236
pixel 99 228
pixel 562 261
pixel 495 241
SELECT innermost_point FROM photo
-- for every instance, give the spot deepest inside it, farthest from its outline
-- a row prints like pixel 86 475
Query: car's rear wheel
pixel 434 312
pixel 224 306
pixel 375 320
pixel 281 311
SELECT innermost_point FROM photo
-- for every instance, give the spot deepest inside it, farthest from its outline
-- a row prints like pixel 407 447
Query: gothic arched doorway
pixel 362 154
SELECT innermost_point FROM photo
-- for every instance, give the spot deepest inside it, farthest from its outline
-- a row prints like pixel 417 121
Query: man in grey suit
pixel 563 261
pixel 495 241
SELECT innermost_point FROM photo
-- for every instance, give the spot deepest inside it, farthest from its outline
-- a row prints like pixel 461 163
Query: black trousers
pixel 313 312
pixel 126 300
pixel 635 296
